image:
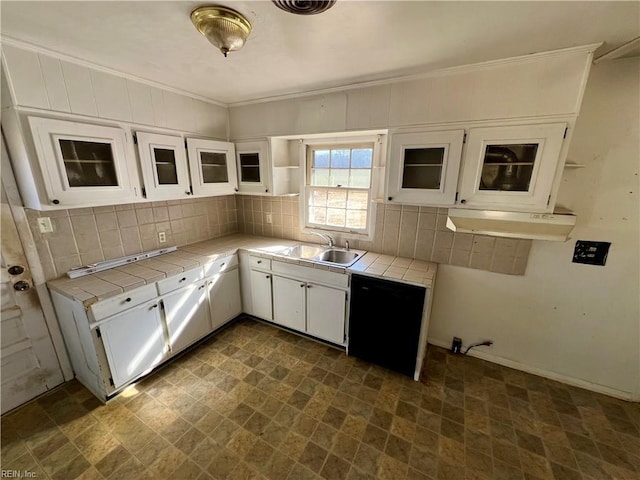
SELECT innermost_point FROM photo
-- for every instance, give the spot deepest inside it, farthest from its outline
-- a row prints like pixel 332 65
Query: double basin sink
pixel 328 255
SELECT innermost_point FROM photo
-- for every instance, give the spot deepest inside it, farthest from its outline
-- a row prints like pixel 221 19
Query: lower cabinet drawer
pixel 181 280
pixel 111 306
pixel 259 262
pixel 220 265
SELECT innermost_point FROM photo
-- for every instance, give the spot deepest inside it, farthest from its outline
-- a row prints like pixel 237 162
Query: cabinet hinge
pixel 549 200
pixel 464 138
pixel 185 143
pixel 98 334
pixel 456 199
pixel 144 192
pixel 135 139
pixel 111 382
pixel 191 189
pixel 565 132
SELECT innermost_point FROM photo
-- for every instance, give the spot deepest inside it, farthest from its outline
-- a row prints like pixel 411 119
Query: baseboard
pixel 594 387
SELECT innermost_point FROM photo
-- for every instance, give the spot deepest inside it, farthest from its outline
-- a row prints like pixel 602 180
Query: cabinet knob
pixel 390 198
pixel 463 201
pixel 259 261
pixel 308 286
pixel 302 285
pixel 128 299
pixel 222 265
pixel 154 306
pixel 55 202
pixel 183 279
pixel 236 189
pixel 268 276
pixel 201 287
pixel 187 193
pixel 266 189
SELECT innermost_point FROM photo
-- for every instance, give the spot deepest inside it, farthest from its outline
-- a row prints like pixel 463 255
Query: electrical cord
pixel 486 343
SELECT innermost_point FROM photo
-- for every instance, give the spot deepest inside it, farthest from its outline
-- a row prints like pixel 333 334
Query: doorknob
pixel 21 286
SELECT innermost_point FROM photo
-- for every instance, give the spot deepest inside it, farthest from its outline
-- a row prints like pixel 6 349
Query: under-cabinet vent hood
pixel 536 226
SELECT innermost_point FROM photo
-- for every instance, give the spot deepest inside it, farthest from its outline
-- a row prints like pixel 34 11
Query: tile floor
pixel 257 402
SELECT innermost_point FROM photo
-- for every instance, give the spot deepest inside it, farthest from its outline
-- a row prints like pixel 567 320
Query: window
pixel 338 187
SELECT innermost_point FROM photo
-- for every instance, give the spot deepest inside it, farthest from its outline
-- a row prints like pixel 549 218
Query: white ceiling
pixel 355 41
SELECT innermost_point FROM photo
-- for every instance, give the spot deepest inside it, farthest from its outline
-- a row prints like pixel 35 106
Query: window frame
pixel 375 142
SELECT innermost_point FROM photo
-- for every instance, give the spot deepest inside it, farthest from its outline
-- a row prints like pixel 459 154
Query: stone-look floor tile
pixel 367 459
pixel 313 457
pixel 223 463
pixel 258 402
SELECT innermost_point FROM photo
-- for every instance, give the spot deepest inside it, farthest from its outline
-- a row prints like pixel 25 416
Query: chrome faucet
pixel 325 236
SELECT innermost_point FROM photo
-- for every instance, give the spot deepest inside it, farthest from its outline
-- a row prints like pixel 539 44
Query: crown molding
pixel 441 72
pixel 587 49
pixel 5 40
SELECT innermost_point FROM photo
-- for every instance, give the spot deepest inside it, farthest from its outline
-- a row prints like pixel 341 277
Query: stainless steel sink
pixel 339 257
pixel 303 251
pixel 328 255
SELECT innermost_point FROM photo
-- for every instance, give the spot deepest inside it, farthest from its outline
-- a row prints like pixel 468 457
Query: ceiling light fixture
pixel 223 27
pixel 304 7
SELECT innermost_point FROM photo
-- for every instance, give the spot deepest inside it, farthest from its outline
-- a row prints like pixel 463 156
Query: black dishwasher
pixel 384 322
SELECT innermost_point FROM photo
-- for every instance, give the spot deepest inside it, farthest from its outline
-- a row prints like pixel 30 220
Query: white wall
pixel 580 323
pixel 51 84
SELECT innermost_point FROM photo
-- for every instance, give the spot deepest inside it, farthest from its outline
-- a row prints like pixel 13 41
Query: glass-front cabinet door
pixel 423 167
pixel 512 167
pixel 164 166
pixel 83 164
pixel 212 165
pixel 252 160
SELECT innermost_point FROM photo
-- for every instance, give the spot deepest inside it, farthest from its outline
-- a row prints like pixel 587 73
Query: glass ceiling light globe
pixel 223 27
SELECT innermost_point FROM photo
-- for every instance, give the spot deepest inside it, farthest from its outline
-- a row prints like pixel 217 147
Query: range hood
pixel 536 226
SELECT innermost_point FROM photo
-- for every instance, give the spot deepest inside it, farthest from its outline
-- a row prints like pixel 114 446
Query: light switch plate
pixel 45 225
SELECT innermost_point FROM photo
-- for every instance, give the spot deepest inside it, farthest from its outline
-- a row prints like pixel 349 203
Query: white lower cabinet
pixel 261 295
pixel 134 342
pixel 289 303
pixel 187 315
pixel 326 310
pixel 308 300
pixel 224 297
pixel 114 341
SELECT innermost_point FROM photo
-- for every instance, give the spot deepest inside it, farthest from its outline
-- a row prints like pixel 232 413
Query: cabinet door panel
pixel 424 167
pixel 187 315
pixel 289 303
pixel 224 297
pixel 326 313
pixel 134 342
pixel 511 168
pixel 82 164
pixel 213 167
pixel 261 293
pixel 164 166
pixel 253 165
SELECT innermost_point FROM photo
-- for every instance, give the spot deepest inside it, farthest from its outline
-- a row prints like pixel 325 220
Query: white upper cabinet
pixel 213 167
pixel 511 167
pixel 83 163
pixel 423 167
pixel 253 167
pixel 164 166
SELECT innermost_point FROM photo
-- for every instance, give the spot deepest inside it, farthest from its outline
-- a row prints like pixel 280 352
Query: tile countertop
pixel 98 286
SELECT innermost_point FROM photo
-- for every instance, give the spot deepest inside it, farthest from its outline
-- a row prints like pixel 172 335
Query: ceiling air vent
pixel 302 7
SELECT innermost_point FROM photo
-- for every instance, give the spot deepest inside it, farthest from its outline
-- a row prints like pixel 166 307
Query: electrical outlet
pixel 44 224
pixel 269 217
pixel 162 237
